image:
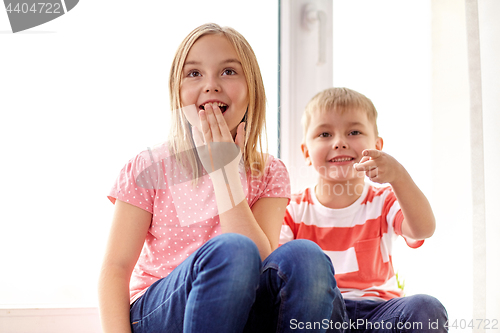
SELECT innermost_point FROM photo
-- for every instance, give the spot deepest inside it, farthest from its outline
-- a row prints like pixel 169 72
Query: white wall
pixel 79 96
pixel 489 28
pixel 450 256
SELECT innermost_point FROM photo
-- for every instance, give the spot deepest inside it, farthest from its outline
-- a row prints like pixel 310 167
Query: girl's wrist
pixel 228 189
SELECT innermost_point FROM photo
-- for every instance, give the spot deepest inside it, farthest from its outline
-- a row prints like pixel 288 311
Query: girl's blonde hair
pixel 339 100
pixel 256 112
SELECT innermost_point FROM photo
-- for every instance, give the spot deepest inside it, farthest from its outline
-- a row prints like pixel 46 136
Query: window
pixel 411 58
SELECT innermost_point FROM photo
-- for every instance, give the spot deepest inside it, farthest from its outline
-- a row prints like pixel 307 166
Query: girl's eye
pixel 228 71
pixel 324 135
pixel 193 73
pixel 355 133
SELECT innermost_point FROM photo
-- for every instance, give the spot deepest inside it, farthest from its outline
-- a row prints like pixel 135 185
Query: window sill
pixel 50 320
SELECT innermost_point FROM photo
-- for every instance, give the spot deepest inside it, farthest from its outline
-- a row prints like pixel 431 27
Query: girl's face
pixel 213 73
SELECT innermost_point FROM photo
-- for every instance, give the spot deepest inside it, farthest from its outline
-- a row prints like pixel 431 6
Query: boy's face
pixel 335 142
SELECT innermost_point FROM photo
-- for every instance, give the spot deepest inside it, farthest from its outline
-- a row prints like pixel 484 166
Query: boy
pixel 354 222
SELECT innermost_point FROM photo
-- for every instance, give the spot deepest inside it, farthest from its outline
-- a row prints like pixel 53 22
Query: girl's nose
pixel 212 85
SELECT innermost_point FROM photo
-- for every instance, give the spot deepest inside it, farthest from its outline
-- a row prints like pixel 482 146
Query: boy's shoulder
pixel 377 191
pixel 304 196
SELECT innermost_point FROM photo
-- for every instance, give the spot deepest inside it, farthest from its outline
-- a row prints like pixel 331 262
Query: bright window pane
pixel 80 96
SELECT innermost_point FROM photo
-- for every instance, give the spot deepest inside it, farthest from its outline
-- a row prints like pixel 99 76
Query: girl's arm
pixel 262 222
pixel 128 232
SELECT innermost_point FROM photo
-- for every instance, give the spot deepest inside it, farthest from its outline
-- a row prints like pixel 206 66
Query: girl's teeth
pixel 218 104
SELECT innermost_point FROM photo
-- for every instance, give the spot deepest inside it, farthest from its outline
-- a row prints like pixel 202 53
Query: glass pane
pixel 384 49
pixel 80 96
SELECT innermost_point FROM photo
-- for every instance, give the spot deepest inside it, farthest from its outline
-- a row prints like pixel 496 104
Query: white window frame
pixel 306 67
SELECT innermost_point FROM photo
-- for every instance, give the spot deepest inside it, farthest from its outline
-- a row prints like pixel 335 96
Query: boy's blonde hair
pixel 339 100
pixel 256 111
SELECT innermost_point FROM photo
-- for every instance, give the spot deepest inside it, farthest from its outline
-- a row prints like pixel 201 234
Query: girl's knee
pixel 303 262
pixel 234 250
pixel 308 257
pixel 233 241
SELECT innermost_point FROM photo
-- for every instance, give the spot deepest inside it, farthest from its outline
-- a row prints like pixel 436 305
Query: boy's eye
pixel 354 133
pixel 193 73
pixel 229 71
pixel 324 135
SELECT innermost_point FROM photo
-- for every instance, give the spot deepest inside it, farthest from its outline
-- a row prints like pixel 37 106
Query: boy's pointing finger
pixel 366 166
pixel 373 153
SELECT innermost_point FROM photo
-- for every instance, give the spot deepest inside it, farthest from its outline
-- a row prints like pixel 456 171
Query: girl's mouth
pixel 223 107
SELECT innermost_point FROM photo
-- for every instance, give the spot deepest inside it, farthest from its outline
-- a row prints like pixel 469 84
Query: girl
pixel 164 270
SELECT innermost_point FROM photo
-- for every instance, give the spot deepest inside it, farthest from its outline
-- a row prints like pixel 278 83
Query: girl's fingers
pixel 212 123
pixel 216 124
pixel 205 127
pixel 223 128
pixel 198 137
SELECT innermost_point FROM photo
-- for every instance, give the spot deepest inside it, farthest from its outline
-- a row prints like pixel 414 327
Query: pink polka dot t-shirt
pixel 184 215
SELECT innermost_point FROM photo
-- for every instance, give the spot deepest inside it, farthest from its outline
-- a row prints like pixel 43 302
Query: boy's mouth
pixel 223 107
pixel 342 159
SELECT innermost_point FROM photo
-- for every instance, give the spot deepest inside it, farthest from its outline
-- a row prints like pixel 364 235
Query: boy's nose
pixel 340 144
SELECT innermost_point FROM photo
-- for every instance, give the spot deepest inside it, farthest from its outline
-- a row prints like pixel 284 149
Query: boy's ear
pixel 305 152
pixel 379 144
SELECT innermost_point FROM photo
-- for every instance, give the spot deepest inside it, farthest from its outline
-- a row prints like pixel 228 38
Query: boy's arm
pixel 287 228
pixel 419 221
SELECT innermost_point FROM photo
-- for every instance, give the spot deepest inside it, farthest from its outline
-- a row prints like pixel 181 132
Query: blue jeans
pixel 418 313
pixel 224 287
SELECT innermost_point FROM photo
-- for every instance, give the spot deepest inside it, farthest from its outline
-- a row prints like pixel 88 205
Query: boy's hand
pixel 379 166
pixel 419 221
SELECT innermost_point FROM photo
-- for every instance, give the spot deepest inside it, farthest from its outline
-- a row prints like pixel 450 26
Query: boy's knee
pixel 427 306
pixel 425 301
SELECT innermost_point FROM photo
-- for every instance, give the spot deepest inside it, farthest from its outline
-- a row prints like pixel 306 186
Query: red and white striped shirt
pixel 358 239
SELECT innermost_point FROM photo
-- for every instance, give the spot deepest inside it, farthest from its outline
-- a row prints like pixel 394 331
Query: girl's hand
pixel 220 156
pixel 379 166
pixel 214 128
